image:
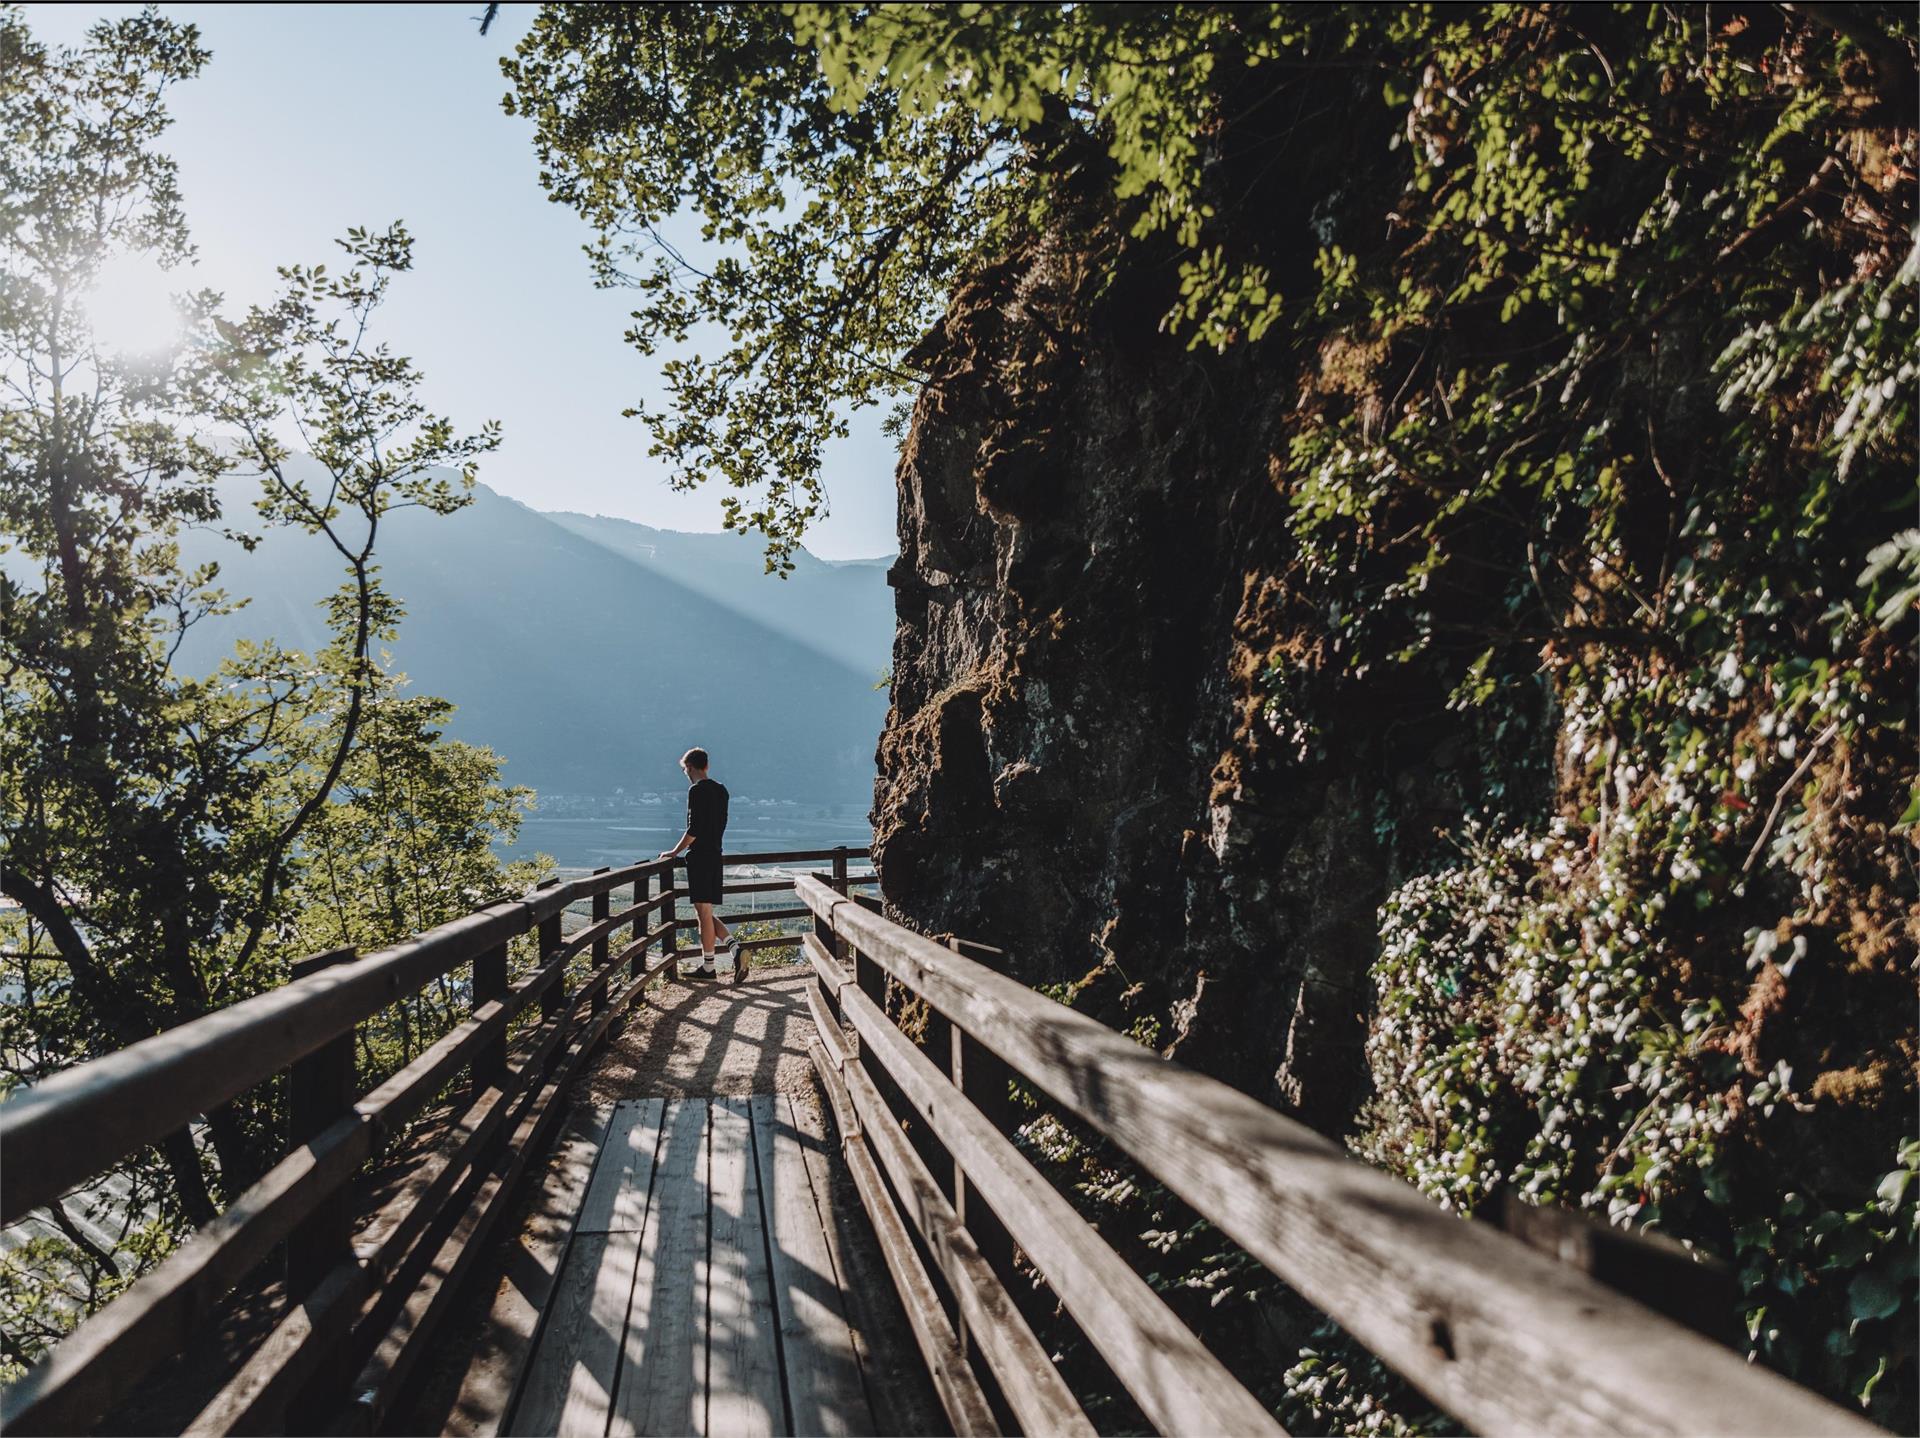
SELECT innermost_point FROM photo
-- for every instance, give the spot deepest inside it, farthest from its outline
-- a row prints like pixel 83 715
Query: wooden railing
pixel 1498 1334
pixel 367 1277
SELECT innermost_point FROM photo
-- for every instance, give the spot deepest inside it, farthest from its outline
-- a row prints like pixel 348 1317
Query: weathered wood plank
pixel 959 1390
pixel 1032 1386
pixel 255 1400
pixel 661 1385
pixel 1178 1384
pixel 1502 1338
pixel 386 1371
pixel 502 1355
pixel 623 1178
pixel 793 856
pixel 744 1397
pixel 393 1102
pixel 104 1359
pixel 74 1124
pixel 778 941
pixel 390 1233
pixel 569 1382
pixel 820 1370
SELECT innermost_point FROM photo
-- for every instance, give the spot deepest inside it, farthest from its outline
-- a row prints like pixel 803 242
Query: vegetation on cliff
pixel 1589 330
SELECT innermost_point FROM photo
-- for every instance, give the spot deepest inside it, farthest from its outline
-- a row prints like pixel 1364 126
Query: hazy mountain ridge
pixel 824 604
pixel 591 663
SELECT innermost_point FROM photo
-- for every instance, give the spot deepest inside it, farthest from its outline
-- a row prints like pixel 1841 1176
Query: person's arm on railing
pixel 686 839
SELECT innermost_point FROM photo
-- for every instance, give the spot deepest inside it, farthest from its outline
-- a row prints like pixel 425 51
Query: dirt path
pixel 699 1036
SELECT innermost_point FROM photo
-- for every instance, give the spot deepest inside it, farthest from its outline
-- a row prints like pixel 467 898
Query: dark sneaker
pixel 707 970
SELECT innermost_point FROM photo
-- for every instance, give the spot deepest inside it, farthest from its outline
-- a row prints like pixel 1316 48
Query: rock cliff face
pixel 1473 716
pixel 1077 766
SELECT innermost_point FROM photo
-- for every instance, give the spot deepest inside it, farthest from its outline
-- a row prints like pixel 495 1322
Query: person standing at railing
pixel 706 827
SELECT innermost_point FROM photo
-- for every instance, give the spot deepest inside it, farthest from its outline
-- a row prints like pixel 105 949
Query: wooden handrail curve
pixel 387 1285
pixel 1499 1335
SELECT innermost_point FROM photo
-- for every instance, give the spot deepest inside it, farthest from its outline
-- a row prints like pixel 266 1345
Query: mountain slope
pixel 589 668
pixel 826 605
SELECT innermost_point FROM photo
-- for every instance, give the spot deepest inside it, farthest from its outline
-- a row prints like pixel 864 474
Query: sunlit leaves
pixel 155 825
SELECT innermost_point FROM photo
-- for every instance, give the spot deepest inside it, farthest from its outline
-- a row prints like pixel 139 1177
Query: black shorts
pixel 704 880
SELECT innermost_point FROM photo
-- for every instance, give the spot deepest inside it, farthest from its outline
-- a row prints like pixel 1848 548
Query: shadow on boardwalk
pixel 700 1037
pixel 690 1041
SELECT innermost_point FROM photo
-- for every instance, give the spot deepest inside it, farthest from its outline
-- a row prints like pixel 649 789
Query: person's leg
pixel 705 911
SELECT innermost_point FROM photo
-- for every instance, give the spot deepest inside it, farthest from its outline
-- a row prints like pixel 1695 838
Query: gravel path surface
pixel 700 1036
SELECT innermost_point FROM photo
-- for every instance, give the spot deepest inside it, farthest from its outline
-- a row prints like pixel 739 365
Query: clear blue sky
pixel 311 118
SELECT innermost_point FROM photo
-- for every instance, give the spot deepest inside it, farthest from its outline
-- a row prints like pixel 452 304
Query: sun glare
pixel 131 307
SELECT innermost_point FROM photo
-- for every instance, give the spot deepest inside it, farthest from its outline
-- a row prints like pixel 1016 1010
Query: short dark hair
pixel 694 758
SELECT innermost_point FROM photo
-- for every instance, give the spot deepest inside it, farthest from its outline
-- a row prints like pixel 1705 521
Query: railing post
pixel 639 931
pixel 321 1089
pixel 549 941
pixel 490 983
pixel 939 1045
pixel 668 917
pixel 829 940
pixel 840 870
pixel 982 1076
pixel 602 909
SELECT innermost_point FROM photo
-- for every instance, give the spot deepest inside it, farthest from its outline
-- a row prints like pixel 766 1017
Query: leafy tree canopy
pixel 174 841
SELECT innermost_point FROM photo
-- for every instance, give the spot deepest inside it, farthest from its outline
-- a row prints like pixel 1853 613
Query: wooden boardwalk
pixel 698 1291
pixel 685 1266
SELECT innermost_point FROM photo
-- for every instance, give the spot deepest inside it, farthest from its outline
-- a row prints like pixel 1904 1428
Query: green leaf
pixel 1871 1296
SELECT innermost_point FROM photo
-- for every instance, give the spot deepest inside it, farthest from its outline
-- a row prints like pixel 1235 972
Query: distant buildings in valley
pixel 621 803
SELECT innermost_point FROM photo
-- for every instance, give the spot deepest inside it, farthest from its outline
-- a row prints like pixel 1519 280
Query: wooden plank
pixel 321 1089
pixel 744 1395
pixel 792 856
pixel 597 933
pixel 1504 1339
pixel 1665 1275
pixel 616 1200
pixel 388 1235
pixel 1032 1386
pixel 661 1385
pixel 554 897
pixel 570 1382
pixel 391 1104
pixel 103 1360
pixel 434 1290
pixel 820 1370
pixel 960 1392
pixel 1178 1384
pixel 408 1267
pixel 767 886
pixel 1028 1377
pixel 899 1388
pixel 766 916
pixel 78 1122
pixel 71 1126
pixel 74 1124
pixel 832 1038
pixel 255 1399
pixel 501 1356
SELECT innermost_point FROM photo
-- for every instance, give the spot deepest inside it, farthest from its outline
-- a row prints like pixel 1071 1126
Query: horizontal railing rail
pixel 1499 1335
pixel 365 1285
